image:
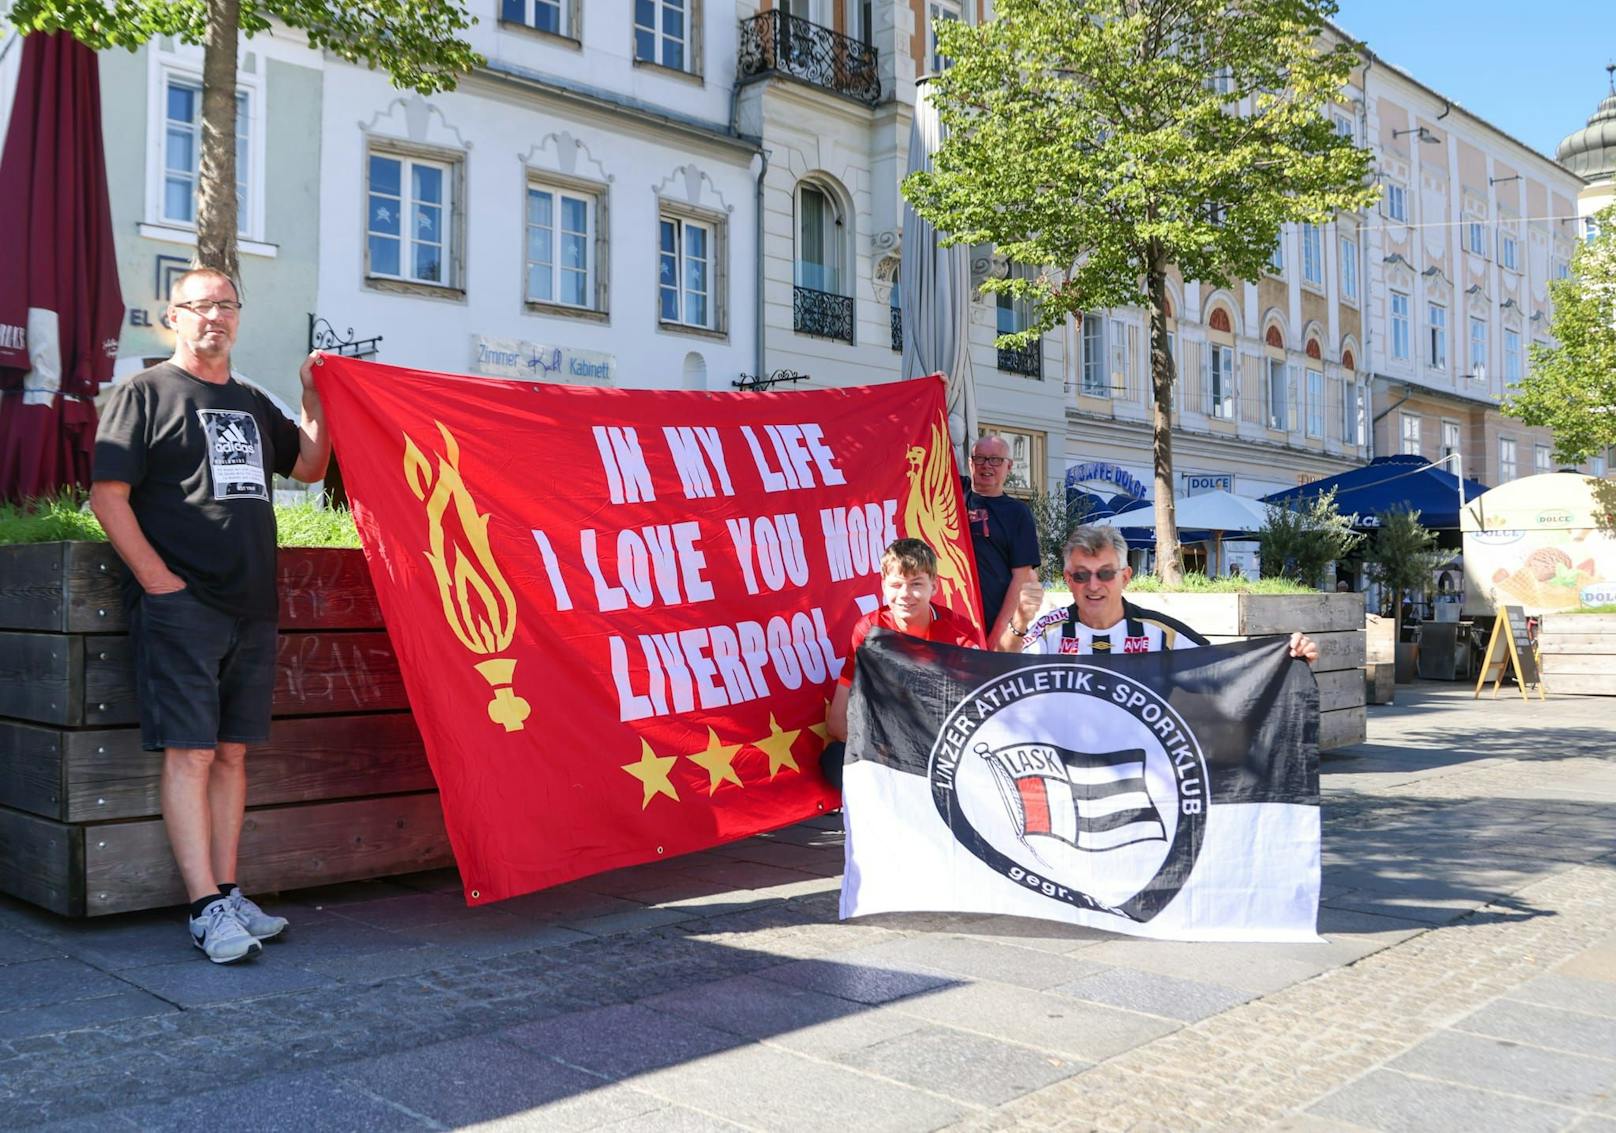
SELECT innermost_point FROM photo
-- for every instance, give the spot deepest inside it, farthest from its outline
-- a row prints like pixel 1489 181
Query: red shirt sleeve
pixel 861 629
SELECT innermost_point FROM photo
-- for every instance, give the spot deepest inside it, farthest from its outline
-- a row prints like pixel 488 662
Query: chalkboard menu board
pixel 1510 647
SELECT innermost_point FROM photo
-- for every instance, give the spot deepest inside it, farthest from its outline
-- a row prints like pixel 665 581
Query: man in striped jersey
pixel 1100 619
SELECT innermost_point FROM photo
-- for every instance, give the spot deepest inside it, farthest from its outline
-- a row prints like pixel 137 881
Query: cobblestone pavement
pixel 1468 981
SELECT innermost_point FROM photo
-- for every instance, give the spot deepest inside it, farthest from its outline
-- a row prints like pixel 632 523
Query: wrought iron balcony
pixel 1028 360
pixel 822 314
pixel 773 42
pixel 897 329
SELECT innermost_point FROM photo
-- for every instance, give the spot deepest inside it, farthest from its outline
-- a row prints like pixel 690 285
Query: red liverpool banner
pixel 620 614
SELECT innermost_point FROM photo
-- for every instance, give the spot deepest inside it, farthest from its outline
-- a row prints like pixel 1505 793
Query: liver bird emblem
pixel 932 512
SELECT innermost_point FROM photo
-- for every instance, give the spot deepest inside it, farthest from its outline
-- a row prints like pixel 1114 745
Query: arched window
pixel 1218 376
pixel 821 239
pixel 1276 390
pixel 1219 321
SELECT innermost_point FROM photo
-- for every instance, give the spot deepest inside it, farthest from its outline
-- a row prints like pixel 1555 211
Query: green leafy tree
pixel 417 44
pixel 1402 557
pixel 1105 142
pixel 1056 515
pixel 1571 386
pixel 1302 537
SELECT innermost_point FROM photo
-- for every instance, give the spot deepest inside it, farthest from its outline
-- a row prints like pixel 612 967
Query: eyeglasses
pixel 208 308
pixel 1104 574
pixel 993 461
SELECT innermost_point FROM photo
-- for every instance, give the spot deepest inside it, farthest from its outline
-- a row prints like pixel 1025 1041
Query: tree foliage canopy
pixel 1571 386
pixel 417 44
pixel 1107 137
pixel 1302 537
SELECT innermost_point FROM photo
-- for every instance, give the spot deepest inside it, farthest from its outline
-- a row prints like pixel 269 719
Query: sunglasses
pixel 1104 574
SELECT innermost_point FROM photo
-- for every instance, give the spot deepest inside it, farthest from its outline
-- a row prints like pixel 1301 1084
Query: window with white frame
pixel 1506 458
pixel 1342 124
pixel 821 240
pixel 1411 434
pixel 1277 411
pixel 1436 325
pixel 1221 380
pixel 1351 413
pixel 1222 80
pixel 662 32
pixel 687 271
pixel 936 12
pixel 1596 465
pixel 553 16
pixel 1507 251
pixel 1542 459
pixel 1476 237
pixel 1312 255
pixel 1396 202
pixel 1450 439
pixel 1478 348
pixel 1349 269
pixel 182 152
pixel 562 259
pixel 1315 403
pixel 1095 381
pixel 410 225
pixel 1562 268
pixel 1121 362
pixel 1512 356
pixel 1276 258
pixel 1399 319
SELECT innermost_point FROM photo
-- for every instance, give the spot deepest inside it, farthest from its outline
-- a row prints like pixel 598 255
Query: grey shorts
pixel 202 676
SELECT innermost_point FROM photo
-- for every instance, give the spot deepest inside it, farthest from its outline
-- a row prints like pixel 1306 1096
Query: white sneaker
pixel 259 924
pixel 222 938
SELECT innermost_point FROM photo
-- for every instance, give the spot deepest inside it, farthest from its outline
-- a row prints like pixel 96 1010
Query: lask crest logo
pixel 1077 783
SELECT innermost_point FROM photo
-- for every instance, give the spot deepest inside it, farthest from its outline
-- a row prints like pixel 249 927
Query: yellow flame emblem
pixel 930 512
pixel 477 601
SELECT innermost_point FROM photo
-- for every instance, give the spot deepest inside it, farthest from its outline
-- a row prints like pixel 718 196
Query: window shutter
pixel 1133 367
pixel 1293 384
pixel 1119 359
pixel 1206 376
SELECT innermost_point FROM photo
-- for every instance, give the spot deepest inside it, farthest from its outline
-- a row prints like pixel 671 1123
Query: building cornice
pixel 1415 389
pixel 587 97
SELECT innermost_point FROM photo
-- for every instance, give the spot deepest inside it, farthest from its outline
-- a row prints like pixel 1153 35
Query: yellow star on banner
pixel 652 772
pixel 718 761
pixel 777 746
pixel 822 729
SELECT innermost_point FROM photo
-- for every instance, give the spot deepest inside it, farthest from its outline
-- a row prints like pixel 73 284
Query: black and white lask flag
pixel 1171 795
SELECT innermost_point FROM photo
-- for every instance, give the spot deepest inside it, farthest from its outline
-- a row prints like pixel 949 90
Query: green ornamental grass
pixel 66 517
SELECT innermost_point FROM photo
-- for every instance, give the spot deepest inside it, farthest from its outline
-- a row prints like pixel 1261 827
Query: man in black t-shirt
pixel 183 484
pixel 1003 537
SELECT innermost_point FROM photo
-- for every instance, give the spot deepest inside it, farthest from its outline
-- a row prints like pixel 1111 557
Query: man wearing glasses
pixel 1003 538
pixel 184 460
pixel 1100 619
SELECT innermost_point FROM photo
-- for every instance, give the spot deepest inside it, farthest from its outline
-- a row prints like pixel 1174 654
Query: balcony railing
pixel 776 43
pixel 822 314
pixel 897 329
pixel 1028 360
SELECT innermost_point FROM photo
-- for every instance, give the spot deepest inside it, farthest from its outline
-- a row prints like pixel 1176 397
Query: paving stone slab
pixel 1550 1027
pixel 1592 964
pixel 765 1088
pixel 1592 997
pixel 1472 1060
pixel 468 1080
pixel 491 936
pixel 373 967
pixel 407 911
pixel 753 1007
pixel 1057 1024
pixel 323 935
pixel 195 982
pixel 861 983
pixel 969 1068
pixel 1154 994
pixel 621 1041
pixel 671 1119
pixel 54 1018
pixel 308 1102
pixel 1386 1100
pixel 635 919
pixel 36 983
pixel 976 958
pixel 1026 932
pixel 1258 968
pixel 15 948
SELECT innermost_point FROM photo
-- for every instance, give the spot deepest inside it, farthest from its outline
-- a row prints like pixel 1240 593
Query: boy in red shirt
pixel 908 583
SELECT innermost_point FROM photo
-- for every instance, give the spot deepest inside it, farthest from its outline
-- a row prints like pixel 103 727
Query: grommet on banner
pixel 475 894
pixel 659 849
pixel 821 807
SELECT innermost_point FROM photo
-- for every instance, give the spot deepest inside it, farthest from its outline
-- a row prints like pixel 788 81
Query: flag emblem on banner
pixel 1092 802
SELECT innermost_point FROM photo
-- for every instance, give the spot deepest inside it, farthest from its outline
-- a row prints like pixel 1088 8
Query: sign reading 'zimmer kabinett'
pixel 620 614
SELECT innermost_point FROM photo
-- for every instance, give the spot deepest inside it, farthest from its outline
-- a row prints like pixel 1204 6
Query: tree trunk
pixel 1169 558
pixel 216 220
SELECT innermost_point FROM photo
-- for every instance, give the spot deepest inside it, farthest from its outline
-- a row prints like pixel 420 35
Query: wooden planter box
pixel 341 791
pixel 1335 621
pixel 1577 653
